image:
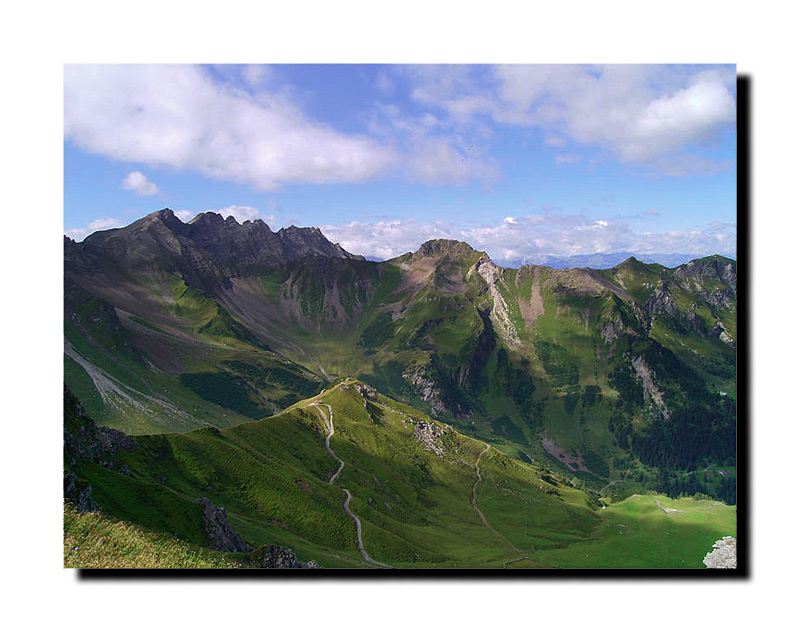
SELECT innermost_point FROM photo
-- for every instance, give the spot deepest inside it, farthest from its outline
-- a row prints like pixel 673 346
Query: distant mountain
pixel 604 374
pixel 602 261
pixel 208 251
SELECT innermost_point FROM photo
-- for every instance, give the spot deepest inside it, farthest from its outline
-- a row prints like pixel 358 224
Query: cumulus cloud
pixel 137 182
pixel 184 215
pixel 386 239
pixel 99 224
pixel 432 153
pixel 642 114
pixel 521 239
pixel 178 116
pixel 435 160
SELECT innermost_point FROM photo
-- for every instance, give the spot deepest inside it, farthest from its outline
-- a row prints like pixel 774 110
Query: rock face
pixel 84 440
pixel 206 252
pixel 80 494
pixel 710 268
pixel 429 436
pixel 499 314
pixel 221 535
pixel 277 557
pixel 426 387
pixel 367 392
pixel 652 393
pixel 661 302
pixel 723 555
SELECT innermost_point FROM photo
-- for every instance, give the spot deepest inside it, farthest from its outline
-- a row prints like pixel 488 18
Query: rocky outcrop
pixel 277 557
pixel 426 388
pixel 112 441
pixel 661 302
pixel 79 493
pixel 367 392
pixel 718 331
pixel 651 391
pixel 723 555
pixel 429 436
pixel 714 268
pixel 84 440
pixel 612 329
pixel 499 314
pixel 221 535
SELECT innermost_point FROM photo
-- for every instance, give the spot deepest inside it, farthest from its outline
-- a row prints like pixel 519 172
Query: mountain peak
pixel 436 247
pixel 209 217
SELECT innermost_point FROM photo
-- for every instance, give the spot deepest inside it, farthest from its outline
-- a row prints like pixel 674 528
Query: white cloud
pixel 386 239
pixel 525 238
pixel 436 160
pixel 432 157
pixel 554 141
pixel 177 116
pixel 384 85
pixel 136 181
pixel 99 224
pixel 184 215
pixel 256 75
pixel 568 159
pixel 243 214
pixel 642 114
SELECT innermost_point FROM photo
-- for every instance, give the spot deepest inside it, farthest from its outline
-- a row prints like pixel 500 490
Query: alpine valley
pixel 236 397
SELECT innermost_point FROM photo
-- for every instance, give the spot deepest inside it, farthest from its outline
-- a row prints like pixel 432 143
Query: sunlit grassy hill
pixel 426 495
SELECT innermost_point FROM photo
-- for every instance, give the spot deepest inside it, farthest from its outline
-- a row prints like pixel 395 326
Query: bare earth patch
pixel 532 309
pixel 574 462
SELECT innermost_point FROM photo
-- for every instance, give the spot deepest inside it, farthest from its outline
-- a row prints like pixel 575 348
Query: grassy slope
pixel 186 336
pixel 415 506
pixel 636 533
pixel 223 378
pixel 93 540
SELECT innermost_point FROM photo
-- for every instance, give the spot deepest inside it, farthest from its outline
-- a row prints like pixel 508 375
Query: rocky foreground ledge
pixel 723 555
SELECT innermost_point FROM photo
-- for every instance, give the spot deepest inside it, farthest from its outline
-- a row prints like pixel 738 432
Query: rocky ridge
pixel 206 252
pixel 277 557
pixel 221 535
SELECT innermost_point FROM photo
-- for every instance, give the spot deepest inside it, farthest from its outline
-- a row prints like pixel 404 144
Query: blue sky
pixel 519 160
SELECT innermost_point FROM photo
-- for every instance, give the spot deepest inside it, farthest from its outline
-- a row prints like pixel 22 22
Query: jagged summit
pixel 714 267
pixel 213 231
pixel 207 252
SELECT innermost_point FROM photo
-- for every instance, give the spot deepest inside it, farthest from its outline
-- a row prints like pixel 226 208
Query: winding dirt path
pixel 349 496
pixel 478 479
pixel 329 423
pixel 361 548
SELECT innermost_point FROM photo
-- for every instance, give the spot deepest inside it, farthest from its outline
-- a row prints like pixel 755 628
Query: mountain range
pixel 467 393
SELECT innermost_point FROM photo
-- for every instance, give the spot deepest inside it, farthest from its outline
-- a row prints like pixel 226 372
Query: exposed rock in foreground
pixel 723 555
pixel 221 535
pixel 277 557
pixel 79 493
